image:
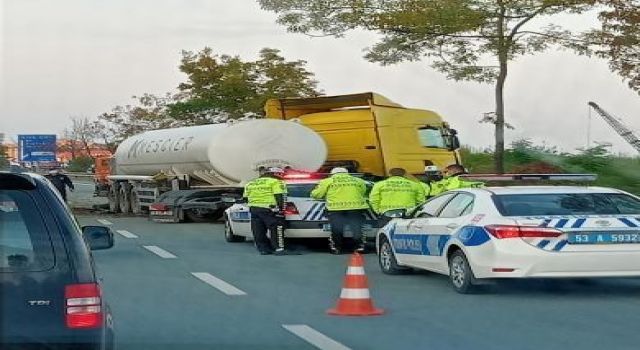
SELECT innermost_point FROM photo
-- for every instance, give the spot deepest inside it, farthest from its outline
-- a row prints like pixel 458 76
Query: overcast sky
pixel 62 58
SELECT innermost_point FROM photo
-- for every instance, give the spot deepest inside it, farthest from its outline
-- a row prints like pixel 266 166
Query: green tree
pixel 465 39
pixel 150 112
pixel 620 39
pixel 222 86
pixel 80 164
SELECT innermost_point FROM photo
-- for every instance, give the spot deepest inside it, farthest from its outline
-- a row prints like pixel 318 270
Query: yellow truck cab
pixel 371 134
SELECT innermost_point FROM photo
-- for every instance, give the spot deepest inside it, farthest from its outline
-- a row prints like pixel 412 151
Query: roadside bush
pixel 80 164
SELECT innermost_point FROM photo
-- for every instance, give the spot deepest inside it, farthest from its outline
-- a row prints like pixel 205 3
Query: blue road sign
pixel 37 148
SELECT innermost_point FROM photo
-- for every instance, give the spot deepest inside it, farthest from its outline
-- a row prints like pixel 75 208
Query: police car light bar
pixel 532 177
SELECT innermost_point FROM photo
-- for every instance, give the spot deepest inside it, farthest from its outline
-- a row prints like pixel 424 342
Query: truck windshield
pixel 431 137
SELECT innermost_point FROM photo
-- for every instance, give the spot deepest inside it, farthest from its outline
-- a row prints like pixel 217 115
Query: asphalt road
pixel 158 303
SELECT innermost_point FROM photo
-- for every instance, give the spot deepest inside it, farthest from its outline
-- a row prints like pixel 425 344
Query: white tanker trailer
pixel 196 172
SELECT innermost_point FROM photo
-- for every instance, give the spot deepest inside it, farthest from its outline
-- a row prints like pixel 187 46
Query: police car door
pixel 454 215
pixel 410 237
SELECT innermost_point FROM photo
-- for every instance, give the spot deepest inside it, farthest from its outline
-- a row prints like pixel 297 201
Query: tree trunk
pixel 499 149
pixel 503 49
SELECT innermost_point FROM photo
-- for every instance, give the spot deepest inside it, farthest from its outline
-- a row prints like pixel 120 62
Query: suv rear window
pixel 24 241
pixel 567 204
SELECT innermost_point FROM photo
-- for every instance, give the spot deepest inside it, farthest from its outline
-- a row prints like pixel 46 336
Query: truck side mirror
pixel 454 141
pixel 98 237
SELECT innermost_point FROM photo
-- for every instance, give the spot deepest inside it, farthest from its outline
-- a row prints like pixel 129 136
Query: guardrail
pixel 80 176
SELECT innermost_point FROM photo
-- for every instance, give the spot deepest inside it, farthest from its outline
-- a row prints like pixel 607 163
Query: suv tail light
pixel 290 209
pixel 508 231
pixel 83 305
pixel 158 207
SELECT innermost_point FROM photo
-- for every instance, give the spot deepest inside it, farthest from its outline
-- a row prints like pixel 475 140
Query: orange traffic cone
pixel 354 298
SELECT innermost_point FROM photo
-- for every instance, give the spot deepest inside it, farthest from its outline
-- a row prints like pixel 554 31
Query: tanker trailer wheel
pixel 125 193
pixel 114 190
pixel 134 201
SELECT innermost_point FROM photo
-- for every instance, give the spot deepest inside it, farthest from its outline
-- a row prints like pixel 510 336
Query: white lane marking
pixel 126 234
pixel 104 222
pixel 217 283
pixel 159 252
pixel 314 337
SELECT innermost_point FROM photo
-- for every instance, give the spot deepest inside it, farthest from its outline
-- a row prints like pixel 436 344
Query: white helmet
pixel 431 169
pixel 275 170
pixel 339 170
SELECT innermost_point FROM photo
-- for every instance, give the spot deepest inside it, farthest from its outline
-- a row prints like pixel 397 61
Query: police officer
pixel 266 197
pixel 432 185
pixel 396 192
pixel 453 181
pixel 60 181
pixel 346 204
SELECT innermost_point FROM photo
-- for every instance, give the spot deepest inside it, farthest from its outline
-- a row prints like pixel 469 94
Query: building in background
pixel 11 148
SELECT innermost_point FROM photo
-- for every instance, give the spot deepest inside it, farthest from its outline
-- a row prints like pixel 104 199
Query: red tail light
pixel 83 305
pixel 297 176
pixel 508 231
pixel 158 207
pixel 290 209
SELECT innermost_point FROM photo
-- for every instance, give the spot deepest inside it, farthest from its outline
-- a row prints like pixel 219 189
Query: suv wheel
pixel 123 198
pixel 460 273
pixel 228 232
pixel 114 191
pixel 387 259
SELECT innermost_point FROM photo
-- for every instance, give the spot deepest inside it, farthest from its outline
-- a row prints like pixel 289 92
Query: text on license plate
pixel 604 238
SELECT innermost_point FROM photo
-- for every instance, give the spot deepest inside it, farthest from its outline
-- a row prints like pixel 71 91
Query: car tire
pixel 192 215
pixel 123 198
pixel 113 196
pixel 460 273
pixel 135 202
pixel 228 233
pixel 387 259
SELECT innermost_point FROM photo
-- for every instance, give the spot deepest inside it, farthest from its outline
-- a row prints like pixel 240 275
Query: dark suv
pixel 50 297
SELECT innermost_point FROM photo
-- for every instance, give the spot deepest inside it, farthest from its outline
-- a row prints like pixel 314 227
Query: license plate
pixel 161 213
pixel 240 215
pixel 228 199
pixel 604 238
pixel 326 227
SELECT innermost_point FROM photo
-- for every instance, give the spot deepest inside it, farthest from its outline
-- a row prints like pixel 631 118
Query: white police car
pixel 305 216
pixel 517 232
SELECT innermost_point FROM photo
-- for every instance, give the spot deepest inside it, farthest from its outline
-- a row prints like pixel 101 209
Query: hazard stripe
pixel 319 213
pixel 354 293
pixel 627 222
pixel 560 245
pixel 545 223
pixel 543 243
pixel 578 223
pixel 561 223
pixel 355 270
pixel 311 211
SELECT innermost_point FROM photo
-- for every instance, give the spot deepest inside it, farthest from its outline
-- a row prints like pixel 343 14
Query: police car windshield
pixel 300 189
pixel 567 204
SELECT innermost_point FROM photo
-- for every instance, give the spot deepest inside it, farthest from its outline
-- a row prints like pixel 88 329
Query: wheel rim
pixel 385 256
pixel 458 274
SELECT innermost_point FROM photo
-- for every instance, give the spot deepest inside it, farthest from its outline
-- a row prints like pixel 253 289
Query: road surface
pixel 181 286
